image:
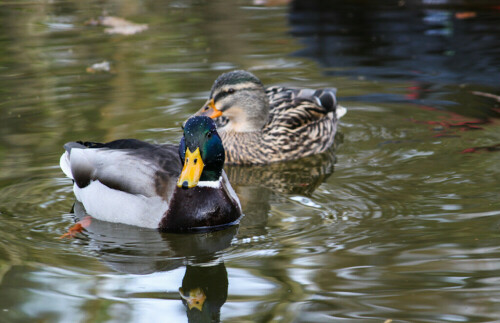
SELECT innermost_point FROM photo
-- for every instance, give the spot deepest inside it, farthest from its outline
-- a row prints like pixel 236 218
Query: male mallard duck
pixel 263 125
pixel 137 183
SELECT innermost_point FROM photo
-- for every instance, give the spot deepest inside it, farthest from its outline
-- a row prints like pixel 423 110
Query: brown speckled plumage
pixel 300 122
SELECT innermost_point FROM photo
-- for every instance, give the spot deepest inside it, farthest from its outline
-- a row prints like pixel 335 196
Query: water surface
pixel 400 221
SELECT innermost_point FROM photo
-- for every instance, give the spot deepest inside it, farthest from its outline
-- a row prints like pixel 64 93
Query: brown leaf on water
pixel 492 148
pixel 117 25
pixel 465 15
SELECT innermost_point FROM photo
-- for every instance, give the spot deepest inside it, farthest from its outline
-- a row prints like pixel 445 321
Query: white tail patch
pixel 65 165
pixel 340 111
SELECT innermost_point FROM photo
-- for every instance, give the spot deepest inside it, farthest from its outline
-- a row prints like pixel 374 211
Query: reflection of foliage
pixel 450 124
pixel 492 148
pixel 48 98
pixel 117 25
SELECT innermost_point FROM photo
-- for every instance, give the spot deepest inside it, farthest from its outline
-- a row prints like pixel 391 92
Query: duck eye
pixel 230 90
pixel 206 108
pixel 209 135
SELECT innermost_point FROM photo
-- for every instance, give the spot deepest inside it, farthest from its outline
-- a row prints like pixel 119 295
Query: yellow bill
pixel 191 172
pixel 196 298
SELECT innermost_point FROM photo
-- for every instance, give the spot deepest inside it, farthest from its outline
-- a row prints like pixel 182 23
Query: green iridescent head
pixel 201 151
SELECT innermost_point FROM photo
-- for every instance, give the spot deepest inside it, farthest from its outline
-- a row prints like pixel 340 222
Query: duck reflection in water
pixel 204 291
pixel 256 185
pixel 138 251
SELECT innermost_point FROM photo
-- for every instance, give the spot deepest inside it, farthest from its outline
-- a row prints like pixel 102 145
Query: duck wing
pixel 127 165
pixel 293 108
pixel 301 122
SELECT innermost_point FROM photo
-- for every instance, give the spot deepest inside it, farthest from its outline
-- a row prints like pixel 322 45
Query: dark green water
pixel 401 223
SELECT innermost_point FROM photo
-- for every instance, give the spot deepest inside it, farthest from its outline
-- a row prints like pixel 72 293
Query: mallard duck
pixel 137 183
pixel 260 125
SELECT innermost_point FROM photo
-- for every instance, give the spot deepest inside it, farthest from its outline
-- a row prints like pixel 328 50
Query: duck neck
pixel 211 175
pixel 248 112
pixel 257 112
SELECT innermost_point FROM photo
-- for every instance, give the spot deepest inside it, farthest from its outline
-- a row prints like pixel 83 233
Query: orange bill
pixel 210 110
pixel 191 172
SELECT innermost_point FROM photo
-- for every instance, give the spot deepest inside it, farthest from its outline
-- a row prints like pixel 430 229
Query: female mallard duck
pixel 137 183
pixel 263 125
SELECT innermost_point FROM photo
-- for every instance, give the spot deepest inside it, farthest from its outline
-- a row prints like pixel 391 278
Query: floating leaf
pixel 465 15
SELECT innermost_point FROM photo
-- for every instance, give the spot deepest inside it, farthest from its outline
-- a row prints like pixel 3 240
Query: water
pixel 401 222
